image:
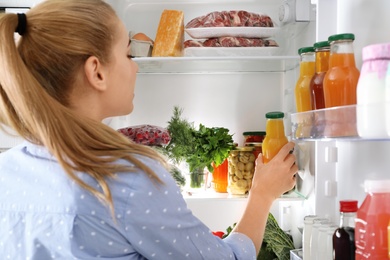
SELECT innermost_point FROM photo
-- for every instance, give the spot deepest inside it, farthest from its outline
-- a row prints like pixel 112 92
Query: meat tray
pixel 249 32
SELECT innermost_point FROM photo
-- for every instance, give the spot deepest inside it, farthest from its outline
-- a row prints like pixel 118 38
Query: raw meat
pixel 231 19
pixel 231 42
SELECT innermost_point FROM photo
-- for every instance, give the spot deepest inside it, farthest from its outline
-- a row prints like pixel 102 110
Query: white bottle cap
pixel 377 186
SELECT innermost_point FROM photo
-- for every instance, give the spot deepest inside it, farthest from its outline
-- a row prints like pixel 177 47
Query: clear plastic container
pixel 372 221
pixel 371 91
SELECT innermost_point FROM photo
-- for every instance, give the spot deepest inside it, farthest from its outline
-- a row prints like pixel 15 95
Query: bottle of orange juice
pixel 341 79
pixel 302 87
pixel 275 137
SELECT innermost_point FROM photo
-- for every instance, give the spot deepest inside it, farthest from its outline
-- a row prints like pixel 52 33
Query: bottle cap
pixel 348 205
pixel 376 51
pixel 342 36
pixel 274 115
pixel 257 133
pixel 322 44
pixel 377 186
pixel 305 50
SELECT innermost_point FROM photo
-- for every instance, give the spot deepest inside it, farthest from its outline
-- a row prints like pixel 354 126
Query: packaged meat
pixel 233 18
pixel 147 134
pixel 231 42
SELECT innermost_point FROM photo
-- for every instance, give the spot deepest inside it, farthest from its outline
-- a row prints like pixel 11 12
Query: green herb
pixel 276 243
pixel 198 147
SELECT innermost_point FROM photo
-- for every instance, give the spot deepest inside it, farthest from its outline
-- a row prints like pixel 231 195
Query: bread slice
pixel 170 35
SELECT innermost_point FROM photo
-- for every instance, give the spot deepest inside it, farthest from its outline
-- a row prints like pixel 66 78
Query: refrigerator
pixel 236 90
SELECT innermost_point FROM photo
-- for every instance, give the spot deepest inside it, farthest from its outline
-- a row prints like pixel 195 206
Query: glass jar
pixel 241 167
pixel 371 91
pixel 220 173
pixel 275 138
pixel 306 72
pixel 322 51
pixel 341 79
pixel 253 137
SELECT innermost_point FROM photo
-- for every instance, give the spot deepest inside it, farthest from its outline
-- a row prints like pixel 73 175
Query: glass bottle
pixel 275 137
pixel 344 236
pixel 306 72
pixel 371 91
pixel 341 79
pixel 322 52
pixel 372 220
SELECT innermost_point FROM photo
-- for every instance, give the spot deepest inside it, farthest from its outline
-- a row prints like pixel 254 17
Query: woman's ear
pixel 95 73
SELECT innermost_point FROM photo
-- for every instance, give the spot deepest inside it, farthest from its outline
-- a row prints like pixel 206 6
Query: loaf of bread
pixel 170 35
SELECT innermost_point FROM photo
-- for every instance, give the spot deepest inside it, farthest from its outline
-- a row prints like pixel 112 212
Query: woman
pixel 77 189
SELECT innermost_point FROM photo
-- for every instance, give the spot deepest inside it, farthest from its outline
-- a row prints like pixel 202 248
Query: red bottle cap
pixel 348 205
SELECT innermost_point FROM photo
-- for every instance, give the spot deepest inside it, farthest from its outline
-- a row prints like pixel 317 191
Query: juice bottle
pixel 275 137
pixel 371 91
pixel 302 87
pixel 322 52
pixel 372 220
pixel 344 236
pixel 341 79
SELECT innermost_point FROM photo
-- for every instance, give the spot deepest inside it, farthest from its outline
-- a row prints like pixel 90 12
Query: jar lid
pixel 274 115
pixel 348 205
pixel 322 44
pixel 261 133
pixel 376 51
pixel 377 186
pixel 342 36
pixel 305 50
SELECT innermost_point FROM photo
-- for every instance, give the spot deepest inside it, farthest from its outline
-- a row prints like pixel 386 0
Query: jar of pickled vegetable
pixel 241 167
pixel 253 137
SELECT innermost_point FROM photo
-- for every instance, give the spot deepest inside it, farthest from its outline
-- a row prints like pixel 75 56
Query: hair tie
pixel 22 24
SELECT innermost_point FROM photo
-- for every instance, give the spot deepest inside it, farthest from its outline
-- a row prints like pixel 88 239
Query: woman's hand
pixel 277 176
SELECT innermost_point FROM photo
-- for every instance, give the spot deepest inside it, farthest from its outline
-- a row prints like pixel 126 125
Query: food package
pixel 170 35
pixel 147 134
pixel 141 45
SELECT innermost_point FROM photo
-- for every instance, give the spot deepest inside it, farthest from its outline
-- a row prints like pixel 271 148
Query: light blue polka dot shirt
pixel 46 215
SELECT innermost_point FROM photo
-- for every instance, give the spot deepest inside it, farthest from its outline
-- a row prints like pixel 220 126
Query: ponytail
pixel 36 77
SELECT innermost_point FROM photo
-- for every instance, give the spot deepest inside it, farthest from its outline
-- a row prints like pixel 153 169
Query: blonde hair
pixel 36 77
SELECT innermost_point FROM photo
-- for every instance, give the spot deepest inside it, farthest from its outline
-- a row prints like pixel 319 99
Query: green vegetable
pixel 198 147
pixel 276 243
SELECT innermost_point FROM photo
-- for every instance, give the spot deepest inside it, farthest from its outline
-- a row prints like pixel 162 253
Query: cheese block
pixel 170 35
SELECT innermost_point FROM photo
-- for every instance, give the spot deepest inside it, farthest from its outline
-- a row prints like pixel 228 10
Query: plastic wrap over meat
pixel 232 18
pixel 147 134
pixel 231 42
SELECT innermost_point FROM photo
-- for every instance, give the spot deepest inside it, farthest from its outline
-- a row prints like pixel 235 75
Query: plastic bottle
pixel 372 220
pixel 371 94
pixel 314 246
pixel 275 137
pixel 306 236
pixel 341 79
pixel 387 99
pixel 344 236
pixel 302 87
pixel 322 52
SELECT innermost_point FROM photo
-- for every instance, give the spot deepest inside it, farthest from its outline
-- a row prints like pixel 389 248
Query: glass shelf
pixel 339 123
pixel 196 65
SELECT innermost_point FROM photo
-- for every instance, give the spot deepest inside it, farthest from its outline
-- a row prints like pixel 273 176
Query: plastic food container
pixel 241 167
pixel 141 48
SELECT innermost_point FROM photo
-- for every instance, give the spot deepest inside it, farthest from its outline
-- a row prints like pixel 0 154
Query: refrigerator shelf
pixel 339 123
pixel 210 65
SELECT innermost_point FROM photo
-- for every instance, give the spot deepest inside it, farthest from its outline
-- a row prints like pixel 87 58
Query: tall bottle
pixel 371 91
pixel 322 52
pixel 344 236
pixel 302 87
pixel 275 137
pixel 372 220
pixel 341 79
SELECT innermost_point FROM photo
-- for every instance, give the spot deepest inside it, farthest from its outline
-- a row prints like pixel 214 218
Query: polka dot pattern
pixel 56 219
